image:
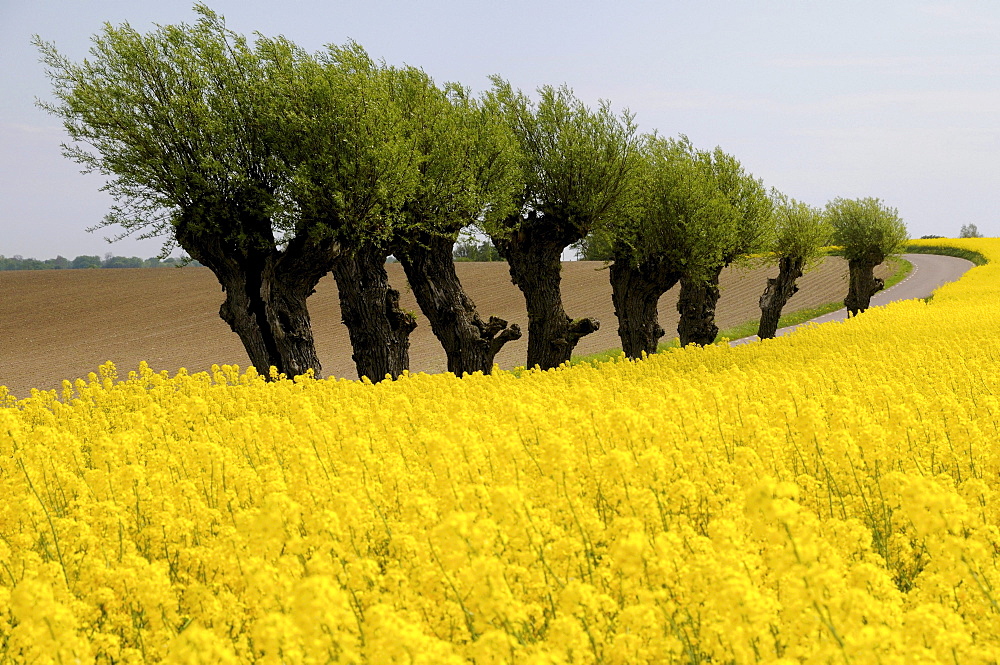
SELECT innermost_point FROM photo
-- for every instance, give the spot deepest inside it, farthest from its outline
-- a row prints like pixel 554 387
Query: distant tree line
pixel 18 262
pixel 471 249
pixel 274 166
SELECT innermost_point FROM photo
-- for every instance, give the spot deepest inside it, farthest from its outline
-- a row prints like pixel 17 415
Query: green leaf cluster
pixel 467 156
pixel 693 209
pixel 800 230
pixel 349 161
pixel 866 229
pixel 173 118
pixel 265 146
pixel 575 163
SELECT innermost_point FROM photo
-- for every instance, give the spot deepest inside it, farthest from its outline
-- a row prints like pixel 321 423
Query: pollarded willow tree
pixel 868 232
pixel 678 226
pixel 576 168
pixel 191 126
pixel 800 233
pixel 742 232
pixel 468 176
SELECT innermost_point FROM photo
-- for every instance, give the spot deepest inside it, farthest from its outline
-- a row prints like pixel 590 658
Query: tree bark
pixel 378 328
pixel 779 290
pixel 635 292
pixel 266 291
pixel 863 285
pixel 696 307
pixel 270 316
pixel 469 343
pixel 534 259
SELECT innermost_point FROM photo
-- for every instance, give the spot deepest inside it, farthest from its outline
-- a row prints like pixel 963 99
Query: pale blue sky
pixel 899 100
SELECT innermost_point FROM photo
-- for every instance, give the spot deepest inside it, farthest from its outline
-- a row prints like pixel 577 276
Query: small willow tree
pixel 741 233
pixel 869 232
pixel 800 233
pixel 575 171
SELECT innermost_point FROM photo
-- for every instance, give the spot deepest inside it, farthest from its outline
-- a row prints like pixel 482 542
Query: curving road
pixel 929 272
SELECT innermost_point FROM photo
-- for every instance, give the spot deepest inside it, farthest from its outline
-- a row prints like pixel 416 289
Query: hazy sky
pixel 895 99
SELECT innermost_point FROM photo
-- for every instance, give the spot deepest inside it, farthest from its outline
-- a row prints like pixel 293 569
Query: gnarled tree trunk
pixel 470 343
pixel 635 292
pixel 779 290
pixel 696 306
pixel 266 291
pixel 863 285
pixel 535 267
pixel 378 328
pixel 270 316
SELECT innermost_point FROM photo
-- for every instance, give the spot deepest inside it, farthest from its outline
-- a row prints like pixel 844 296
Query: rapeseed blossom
pixel 828 497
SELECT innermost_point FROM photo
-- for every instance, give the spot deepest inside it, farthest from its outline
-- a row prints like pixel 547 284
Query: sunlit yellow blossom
pixel 828 497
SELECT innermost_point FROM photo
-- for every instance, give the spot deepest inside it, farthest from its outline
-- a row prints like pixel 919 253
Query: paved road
pixel 929 272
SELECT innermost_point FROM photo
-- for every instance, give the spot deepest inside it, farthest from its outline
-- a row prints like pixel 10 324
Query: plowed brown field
pixel 62 324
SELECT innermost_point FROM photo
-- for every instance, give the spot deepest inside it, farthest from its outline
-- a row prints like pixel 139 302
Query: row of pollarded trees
pixel 273 167
pixel 694 212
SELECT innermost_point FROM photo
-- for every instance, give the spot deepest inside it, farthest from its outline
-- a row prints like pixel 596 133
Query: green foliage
pixel 342 138
pixel 800 230
pixel 957 252
pixel 467 156
pixel 749 200
pixel 86 262
pixel 596 247
pixel 695 209
pixel 213 141
pixel 970 231
pixel 575 163
pixel 82 262
pixel 18 262
pixel 175 119
pixel 866 229
pixel 680 213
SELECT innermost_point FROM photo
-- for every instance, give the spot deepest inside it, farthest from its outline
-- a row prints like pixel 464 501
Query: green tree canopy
pixel 799 234
pixel 575 162
pixel 681 215
pixel 866 229
pixel 694 212
pixel 468 177
pixel 970 231
pixel 800 230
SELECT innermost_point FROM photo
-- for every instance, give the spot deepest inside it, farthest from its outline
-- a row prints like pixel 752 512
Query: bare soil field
pixel 62 324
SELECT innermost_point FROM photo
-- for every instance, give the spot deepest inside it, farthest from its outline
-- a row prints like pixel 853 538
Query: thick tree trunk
pixel 266 291
pixel 469 343
pixel 535 268
pixel 696 306
pixel 271 319
pixel 378 328
pixel 777 294
pixel 863 285
pixel 635 292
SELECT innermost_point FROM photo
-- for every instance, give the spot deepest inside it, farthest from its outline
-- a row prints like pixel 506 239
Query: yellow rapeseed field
pixel 828 497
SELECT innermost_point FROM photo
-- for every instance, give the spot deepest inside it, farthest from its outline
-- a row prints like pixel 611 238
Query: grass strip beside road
pixel 957 252
pixel 749 328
